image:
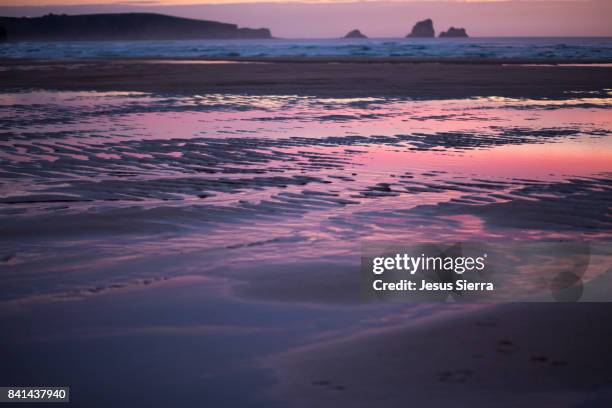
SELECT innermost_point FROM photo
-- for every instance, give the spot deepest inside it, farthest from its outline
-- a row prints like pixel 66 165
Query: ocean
pixel 567 48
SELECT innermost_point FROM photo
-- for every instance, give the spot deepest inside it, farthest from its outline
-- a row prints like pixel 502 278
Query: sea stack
pixel 355 34
pixel 454 33
pixel 423 29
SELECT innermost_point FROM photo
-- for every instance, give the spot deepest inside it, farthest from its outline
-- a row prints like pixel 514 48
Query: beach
pixel 322 76
pixel 194 227
pixel 514 355
pixel 327 77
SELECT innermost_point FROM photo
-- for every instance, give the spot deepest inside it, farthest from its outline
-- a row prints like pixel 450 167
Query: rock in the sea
pixel 454 33
pixel 423 29
pixel 355 34
pixel 2 34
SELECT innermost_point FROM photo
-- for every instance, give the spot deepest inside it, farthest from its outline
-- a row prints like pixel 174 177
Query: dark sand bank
pixel 337 77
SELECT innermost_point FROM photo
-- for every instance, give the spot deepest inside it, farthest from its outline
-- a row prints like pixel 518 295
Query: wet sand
pixel 329 77
pixel 528 355
pixel 132 205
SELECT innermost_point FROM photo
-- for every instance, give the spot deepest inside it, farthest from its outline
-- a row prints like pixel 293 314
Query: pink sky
pixel 376 18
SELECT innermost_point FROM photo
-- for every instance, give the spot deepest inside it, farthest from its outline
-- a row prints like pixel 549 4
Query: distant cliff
pixel 126 26
pixel 454 33
pixel 423 29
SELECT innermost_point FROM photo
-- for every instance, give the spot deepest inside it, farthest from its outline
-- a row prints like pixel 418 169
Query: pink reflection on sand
pixel 377 158
pixel 396 119
pixel 551 161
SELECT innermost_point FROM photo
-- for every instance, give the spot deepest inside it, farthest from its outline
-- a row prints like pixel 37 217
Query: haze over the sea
pixel 325 19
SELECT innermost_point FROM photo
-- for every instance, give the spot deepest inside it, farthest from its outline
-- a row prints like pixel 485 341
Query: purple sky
pixel 375 18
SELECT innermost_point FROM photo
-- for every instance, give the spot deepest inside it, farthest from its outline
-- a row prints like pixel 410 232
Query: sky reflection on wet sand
pixel 260 203
pixel 308 172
